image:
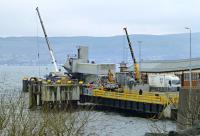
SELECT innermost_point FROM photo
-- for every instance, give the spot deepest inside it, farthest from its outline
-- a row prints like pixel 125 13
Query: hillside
pixel 24 50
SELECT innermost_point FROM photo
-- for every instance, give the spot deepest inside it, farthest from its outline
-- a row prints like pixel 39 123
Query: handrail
pixel 149 97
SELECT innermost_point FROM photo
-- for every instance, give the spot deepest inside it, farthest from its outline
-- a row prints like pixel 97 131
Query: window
pixel 176 82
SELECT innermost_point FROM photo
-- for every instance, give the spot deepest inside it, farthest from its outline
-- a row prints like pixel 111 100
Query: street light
pixel 190 67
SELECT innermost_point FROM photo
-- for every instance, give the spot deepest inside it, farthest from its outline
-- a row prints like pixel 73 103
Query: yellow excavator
pixel 135 64
pixel 108 82
pixel 110 77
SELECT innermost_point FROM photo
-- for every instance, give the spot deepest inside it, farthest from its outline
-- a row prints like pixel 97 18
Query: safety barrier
pixel 145 97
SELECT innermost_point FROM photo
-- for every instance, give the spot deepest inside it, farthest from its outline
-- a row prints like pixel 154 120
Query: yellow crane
pixel 135 64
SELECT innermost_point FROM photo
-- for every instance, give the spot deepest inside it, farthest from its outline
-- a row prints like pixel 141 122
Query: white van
pixel 167 81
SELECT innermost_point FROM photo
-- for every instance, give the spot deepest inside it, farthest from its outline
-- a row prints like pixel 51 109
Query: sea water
pixel 101 123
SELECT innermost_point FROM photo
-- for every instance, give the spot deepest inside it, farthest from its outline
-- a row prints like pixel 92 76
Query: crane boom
pixel 47 41
pixel 136 66
pixel 130 46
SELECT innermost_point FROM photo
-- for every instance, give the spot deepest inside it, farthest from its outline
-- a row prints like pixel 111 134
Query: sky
pixel 98 17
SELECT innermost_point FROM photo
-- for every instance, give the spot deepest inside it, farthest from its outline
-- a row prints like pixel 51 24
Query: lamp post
pixel 190 67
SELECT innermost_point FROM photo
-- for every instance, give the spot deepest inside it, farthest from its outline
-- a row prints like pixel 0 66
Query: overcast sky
pixel 98 17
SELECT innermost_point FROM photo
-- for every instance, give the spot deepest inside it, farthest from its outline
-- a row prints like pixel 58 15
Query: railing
pixel 145 97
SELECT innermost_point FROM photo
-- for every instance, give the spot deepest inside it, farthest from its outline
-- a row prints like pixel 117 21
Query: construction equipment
pixel 136 66
pixel 48 44
pixel 110 77
pixel 56 89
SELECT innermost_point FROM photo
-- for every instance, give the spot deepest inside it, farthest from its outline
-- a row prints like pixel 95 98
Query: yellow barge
pixel 146 102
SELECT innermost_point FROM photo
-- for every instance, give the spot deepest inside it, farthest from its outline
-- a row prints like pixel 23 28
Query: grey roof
pixel 168 65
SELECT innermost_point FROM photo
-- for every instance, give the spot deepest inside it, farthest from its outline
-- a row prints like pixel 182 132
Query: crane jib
pixel 47 41
pixel 130 46
pixel 135 64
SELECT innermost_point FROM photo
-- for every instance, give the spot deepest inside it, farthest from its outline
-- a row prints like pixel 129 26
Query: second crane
pixel 135 64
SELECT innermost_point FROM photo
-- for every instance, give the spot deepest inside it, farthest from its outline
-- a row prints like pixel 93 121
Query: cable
pixel 37 44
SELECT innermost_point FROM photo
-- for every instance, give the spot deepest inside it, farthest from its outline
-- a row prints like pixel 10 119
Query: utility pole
pixel 190 59
pixel 190 76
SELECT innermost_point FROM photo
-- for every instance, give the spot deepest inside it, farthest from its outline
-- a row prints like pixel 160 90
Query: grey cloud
pixel 98 17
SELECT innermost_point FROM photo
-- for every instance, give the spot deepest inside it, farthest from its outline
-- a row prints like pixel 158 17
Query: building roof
pixel 158 66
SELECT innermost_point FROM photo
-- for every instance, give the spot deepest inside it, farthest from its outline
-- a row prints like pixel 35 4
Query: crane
pixel 47 41
pixel 136 66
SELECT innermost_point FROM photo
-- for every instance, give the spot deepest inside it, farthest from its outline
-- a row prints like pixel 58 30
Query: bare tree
pixel 17 120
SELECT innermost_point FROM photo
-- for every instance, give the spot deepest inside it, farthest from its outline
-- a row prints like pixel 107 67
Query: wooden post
pixel 25 85
pixel 32 98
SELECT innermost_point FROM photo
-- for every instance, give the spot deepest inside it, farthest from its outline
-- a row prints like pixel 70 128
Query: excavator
pixel 135 64
pixel 108 81
pixel 110 77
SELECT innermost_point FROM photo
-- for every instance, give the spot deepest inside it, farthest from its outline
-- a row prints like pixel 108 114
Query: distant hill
pixel 24 50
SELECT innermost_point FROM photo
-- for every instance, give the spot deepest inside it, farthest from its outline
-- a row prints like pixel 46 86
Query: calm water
pixel 101 123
